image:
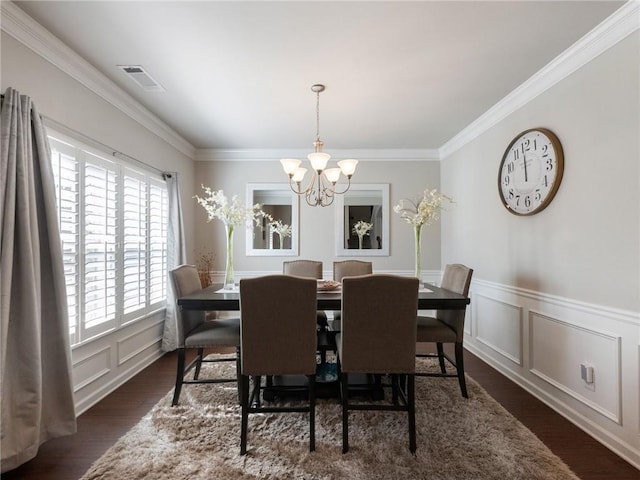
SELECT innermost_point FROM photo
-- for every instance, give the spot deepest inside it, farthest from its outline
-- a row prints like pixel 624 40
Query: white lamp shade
pixel 290 165
pixel 332 174
pixel 318 160
pixel 348 166
pixel 298 175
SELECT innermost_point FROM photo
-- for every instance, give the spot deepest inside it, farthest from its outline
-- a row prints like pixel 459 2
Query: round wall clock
pixel 531 171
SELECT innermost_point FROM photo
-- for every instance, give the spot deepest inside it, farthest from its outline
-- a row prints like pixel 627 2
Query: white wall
pixel 100 365
pixel 317 235
pixel 562 287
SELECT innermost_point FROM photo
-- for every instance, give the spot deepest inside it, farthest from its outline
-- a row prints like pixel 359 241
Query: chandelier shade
pixel 322 185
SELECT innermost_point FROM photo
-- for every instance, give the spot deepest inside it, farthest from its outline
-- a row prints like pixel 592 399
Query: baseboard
pixel 622 449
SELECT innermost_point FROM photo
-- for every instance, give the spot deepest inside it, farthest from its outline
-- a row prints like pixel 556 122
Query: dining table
pixel 213 297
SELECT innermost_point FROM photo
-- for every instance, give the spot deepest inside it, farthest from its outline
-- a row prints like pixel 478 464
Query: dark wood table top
pixel 209 299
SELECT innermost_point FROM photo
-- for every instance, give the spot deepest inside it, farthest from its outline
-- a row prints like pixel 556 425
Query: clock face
pixel 530 171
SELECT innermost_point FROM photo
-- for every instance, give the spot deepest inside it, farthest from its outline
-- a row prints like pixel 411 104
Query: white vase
pixel 418 265
pixel 228 272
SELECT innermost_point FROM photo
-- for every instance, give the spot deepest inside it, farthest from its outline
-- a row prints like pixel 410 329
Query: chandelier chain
pixel 318 116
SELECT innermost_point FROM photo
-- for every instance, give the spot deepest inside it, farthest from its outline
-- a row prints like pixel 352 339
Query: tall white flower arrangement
pixel 418 212
pixel 422 210
pixel 231 213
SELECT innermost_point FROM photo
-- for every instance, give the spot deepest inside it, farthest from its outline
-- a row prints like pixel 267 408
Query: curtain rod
pixel 65 129
pixel 68 130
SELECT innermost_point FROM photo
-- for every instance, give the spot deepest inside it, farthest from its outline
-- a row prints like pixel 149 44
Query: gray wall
pixel 561 289
pixel 317 236
pixel 550 292
pixel 585 245
pixel 102 364
pixel 65 100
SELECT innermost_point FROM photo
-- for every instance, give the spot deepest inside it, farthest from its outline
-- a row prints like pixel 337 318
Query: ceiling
pixel 398 75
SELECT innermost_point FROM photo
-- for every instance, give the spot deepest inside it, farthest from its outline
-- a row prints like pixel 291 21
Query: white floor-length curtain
pixel 36 384
pixel 176 255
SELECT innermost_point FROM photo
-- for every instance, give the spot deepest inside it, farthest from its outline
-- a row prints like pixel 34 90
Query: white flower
pixel 282 229
pixel 361 228
pixel 422 211
pixel 232 214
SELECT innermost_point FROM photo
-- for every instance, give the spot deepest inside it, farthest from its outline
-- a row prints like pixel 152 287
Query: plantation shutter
pixel 100 242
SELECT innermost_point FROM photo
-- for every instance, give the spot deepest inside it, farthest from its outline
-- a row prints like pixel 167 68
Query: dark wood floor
pixel 68 458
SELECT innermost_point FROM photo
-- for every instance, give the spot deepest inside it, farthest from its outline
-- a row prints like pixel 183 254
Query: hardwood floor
pixel 68 458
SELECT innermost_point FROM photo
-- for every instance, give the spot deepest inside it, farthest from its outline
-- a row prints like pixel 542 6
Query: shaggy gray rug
pixel 458 439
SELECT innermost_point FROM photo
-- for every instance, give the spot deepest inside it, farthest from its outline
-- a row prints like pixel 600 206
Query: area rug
pixel 457 438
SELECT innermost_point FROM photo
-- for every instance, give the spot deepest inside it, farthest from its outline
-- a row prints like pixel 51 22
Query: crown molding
pixel 371 155
pixel 615 28
pixel 30 33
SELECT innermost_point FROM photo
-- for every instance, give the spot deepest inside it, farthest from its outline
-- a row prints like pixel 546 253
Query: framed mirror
pixel 362 221
pixel 280 237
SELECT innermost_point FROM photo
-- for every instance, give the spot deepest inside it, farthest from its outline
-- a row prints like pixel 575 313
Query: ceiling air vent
pixel 141 77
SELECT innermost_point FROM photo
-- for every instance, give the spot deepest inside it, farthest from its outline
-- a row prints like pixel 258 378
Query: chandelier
pixel 322 186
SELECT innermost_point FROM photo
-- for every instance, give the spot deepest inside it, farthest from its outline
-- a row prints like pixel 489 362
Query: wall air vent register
pixel 139 75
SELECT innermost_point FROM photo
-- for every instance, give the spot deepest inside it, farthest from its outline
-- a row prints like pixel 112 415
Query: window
pixel 112 220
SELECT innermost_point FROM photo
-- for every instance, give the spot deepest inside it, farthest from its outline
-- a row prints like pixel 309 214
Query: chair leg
pixel 245 414
pixel 312 413
pixel 411 393
pixel 345 412
pixel 239 374
pixel 257 388
pixel 460 369
pixel 179 377
pixel 441 357
pixel 199 364
pixel 394 388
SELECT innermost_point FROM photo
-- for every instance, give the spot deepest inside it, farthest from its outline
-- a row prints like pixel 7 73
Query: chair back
pixel 184 281
pixel 378 324
pixel 457 278
pixel 278 325
pixel 303 268
pixel 351 268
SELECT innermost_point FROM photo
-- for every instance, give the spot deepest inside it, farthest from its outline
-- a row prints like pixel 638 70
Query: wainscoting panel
pixel 139 341
pixel 90 368
pixel 103 364
pixel 557 350
pixel 540 341
pixel 499 326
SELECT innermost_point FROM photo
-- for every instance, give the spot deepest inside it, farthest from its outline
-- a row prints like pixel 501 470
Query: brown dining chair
pixel 195 331
pixel 277 337
pixel 348 268
pixel 307 269
pixel 379 337
pixel 447 327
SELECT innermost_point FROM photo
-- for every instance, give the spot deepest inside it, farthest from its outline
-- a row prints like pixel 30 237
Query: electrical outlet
pixel 587 373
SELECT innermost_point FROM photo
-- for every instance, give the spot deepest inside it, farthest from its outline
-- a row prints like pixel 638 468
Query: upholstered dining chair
pixel 447 327
pixel 303 268
pixel 277 337
pixel 195 331
pixel 307 269
pixel 379 337
pixel 348 268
